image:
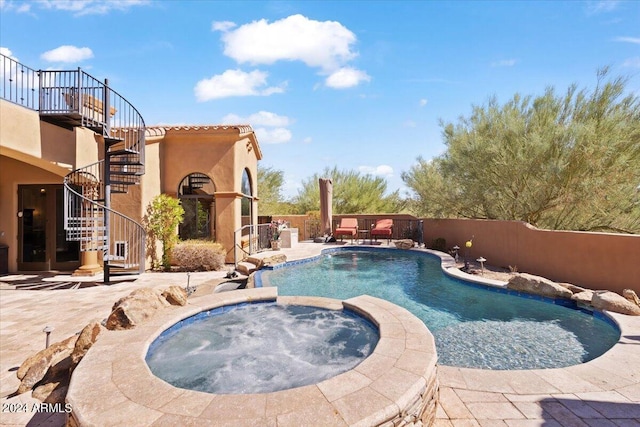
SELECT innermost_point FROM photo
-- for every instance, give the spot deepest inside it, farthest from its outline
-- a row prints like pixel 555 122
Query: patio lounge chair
pixel 383 228
pixel 348 227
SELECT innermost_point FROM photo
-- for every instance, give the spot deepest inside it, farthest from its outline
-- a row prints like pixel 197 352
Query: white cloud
pixel 423 102
pixel 235 83
pixel 273 136
pixel 632 62
pixel 322 44
pixel 382 170
pixel 346 77
pixel 595 7
pixel 91 7
pixel 67 54
pixel 10 6
pixel 307 140
pixel 6 52
pixel 635 40
pixel 409 124
pixel 8 68
pixel 269 127
pixel 261 118
pixel 504 63
pixel 223 26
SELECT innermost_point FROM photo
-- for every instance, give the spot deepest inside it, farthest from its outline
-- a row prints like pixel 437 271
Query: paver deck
pixel 602 392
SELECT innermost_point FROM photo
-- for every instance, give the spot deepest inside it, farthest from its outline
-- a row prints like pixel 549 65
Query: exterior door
pixel 42 243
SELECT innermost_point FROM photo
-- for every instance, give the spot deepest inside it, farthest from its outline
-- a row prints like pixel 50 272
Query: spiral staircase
pixel 76 99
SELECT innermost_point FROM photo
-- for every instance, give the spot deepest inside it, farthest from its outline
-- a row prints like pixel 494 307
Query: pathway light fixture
pixel 481 260
pixel 47 330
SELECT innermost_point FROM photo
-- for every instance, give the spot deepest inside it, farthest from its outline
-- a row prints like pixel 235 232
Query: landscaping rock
pixel 175 295
pixel 51 392
pixel 246 268
pixel 573 288
pixel 611 301
pixel 88 336
pixel 537 285
pixel 135 308
pixel 258 262
pixel 583 297
pixel 273 260
pixel 404 244
pixel 630 295
pixel 33 370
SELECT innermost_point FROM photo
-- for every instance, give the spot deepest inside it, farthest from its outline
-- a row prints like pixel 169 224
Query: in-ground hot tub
pixel 261 348
pixel 395 383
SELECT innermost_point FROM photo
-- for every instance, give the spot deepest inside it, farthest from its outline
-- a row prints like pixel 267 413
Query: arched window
pixel 247 198
pixel 196 194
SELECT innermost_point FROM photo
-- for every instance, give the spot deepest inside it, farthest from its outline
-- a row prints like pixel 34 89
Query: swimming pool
pixel 474 326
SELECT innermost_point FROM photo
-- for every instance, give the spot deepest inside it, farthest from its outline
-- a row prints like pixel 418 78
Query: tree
pixel 270 183
pixel 568 161
pixel 161 221
pixel 353 192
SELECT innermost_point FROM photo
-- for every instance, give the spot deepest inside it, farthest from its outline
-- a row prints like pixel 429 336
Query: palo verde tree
pixel 353 192
pixel 558 161
pixel 164 214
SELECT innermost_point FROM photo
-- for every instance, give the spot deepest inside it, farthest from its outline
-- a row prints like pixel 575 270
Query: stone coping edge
pixel 396 384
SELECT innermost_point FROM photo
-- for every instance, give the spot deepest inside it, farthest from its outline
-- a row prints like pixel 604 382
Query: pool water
pixel 261 348
pixel 473 326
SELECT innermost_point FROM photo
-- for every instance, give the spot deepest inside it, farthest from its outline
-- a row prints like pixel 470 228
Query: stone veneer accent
pixel 395 386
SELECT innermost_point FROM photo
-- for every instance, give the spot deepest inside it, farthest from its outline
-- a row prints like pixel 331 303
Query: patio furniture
pixel 348 227
pixel 383 228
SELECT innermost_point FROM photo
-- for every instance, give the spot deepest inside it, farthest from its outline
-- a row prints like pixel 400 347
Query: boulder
pixel 51 392
pixel 246 267
pixel 630 295
pixel 88 336
pixel 258 262
pixel 611 301
pixel 404 243
pixel 573 288
pixel 273 260
pixel 175 295
pixel 537 285
pixel 583 297
pixel 135 308
pixel 33 370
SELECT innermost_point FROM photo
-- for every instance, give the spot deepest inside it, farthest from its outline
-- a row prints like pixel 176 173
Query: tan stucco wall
pixel 223 156
pixel 34 152
pixel 22 131
pixel 12 173
pixel 592 260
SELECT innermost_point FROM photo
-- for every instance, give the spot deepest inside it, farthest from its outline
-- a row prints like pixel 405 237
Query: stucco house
pixel 78 166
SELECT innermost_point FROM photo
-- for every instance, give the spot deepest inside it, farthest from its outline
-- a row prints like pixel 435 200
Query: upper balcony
pixel 67 98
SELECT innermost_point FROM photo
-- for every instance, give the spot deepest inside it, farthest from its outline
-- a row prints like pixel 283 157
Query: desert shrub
pixel 164 214
pixel 439 244
pixel 198 255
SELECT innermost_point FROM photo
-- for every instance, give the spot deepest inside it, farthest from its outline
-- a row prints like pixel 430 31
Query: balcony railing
pixel 19 84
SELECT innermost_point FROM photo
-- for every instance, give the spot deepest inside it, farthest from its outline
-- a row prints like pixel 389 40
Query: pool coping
pixel 114 382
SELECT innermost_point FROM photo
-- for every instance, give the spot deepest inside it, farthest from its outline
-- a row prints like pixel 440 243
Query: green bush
pixel 164 214
pixel 198 255
pixel 439 244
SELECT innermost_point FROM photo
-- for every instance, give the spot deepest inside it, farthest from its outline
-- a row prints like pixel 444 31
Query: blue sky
pixel 360 85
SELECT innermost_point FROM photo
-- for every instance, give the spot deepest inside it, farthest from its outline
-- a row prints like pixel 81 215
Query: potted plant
pixel 276 228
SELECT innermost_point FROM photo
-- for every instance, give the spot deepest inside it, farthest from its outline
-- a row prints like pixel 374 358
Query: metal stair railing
pixel 86 219
pixel 72 98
